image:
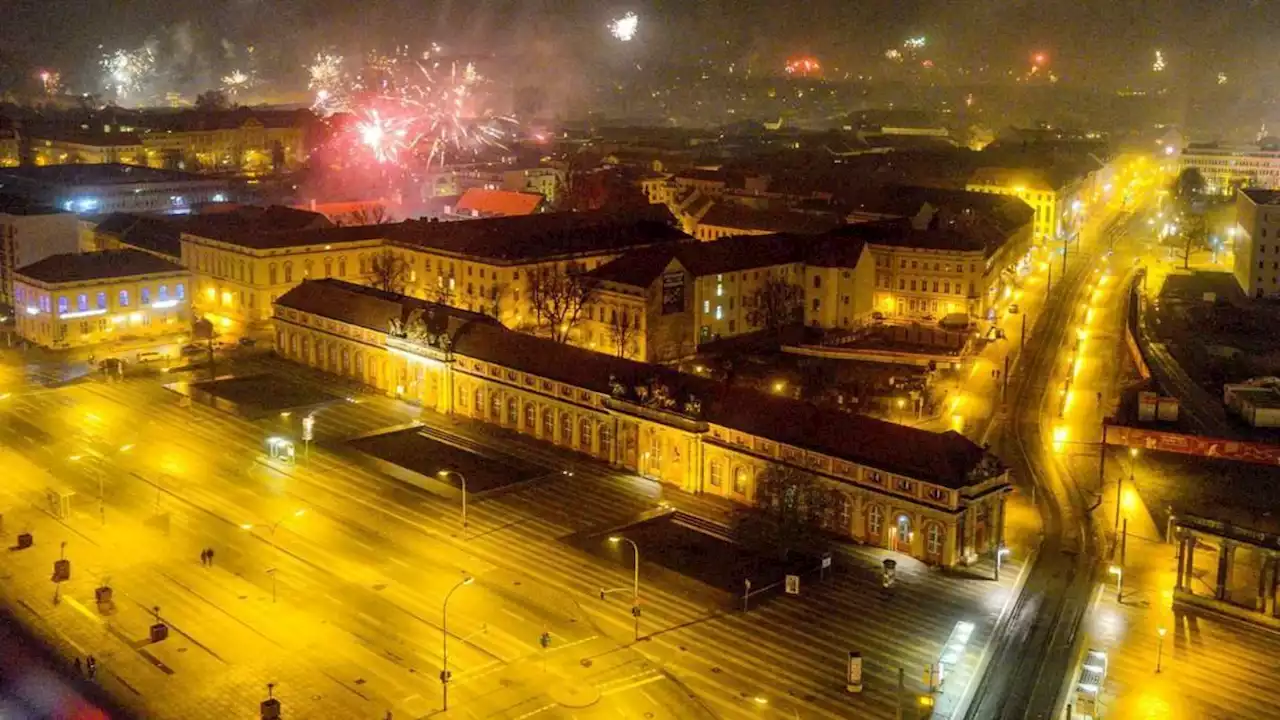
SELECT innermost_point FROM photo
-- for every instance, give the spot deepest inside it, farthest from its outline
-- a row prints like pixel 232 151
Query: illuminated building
pixel 88 149
pixel 1056 197
pixel 936 497
pixel 30 231
pixel 542 180
pixel 81 299
pixel 99 189
pixel 1257 242
pixel 1226 168
pixel 10 148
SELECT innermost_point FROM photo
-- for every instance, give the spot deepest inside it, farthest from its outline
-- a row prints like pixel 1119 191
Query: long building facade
pixel 936 497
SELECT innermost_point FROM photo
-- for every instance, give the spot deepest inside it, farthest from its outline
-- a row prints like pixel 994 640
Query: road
pixel 328 580
pixel 1070 360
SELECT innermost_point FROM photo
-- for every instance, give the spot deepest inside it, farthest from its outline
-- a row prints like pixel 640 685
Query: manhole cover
pixel 516 583
pixel 359 681
pixel 504 683
pixel 586 662
pixel 380 587
pixel 182 649
pixel 715 670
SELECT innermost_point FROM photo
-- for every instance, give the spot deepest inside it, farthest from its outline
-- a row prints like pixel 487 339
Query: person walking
pixel 210 557
pixel 92 665
pixel 204 556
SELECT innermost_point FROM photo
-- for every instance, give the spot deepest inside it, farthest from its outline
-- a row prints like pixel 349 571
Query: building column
pixel 859 528
pixel 1180 582
pixel 1224 569
pixel 1189 572
pixel 949 544
pixel 1266 581
pixel 999 528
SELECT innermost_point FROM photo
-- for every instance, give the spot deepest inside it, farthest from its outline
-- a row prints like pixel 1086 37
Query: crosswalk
pixel 370 553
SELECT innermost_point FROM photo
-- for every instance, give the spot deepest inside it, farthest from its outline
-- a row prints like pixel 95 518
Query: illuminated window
pixel 182 291
pixel 717 474
pixel 82 302
pixel 163 292
pixel 875 520
pixel 124 298
pixel 740 481
pixel 146 296
pixel 706 306
pixel 62 304
pixel 719 312
pixel 933 539
pixel 102 301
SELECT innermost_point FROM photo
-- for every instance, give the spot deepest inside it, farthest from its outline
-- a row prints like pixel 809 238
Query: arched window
pixel 566 428
pixel 933 540
pixel 328 267
pixel 606 441
pixel 241 274
pixel 530 418
pixel 740 481
pixel 716 474
pixel 495 407
pixel 513 412
pixel 479 402
pixel 359 364
pixel 307 268
pixel 875 520
pixel 548 425
pixel 342 267
pixel 346 361
pixel 584 434
pixel 306 350
pixel 288 271
pixel 293 344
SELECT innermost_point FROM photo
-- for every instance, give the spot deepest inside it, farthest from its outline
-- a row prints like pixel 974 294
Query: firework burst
pixel 128 72
pixel 238 81
pixel 624 28
pixel 328 80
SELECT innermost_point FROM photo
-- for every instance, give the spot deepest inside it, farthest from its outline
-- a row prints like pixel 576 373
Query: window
pixel 933 540
pixel 182 291
pixel 145 295
pixel 342 267
pixel 566 428
pixel 903 485
pixel 328 267
pixel 719 312
pixel 530 418
pixel 706 304
pixel 62 304
pixel 874 476
pixel 82 302
pixel 875 520
pixel 584 434
pixel 717 474
pixel 817 282
pixel 902 284
pixel 495 407
pixel 271 274
pixel 307 267
pixel 163 292
pixel 462 394
pixel 288 271
pixel 740 481
pixel 816 304
pixel 124 298
pixel 479 404
pixel 606 441
pixel 548 425
pixel 102 301
pixel 937 494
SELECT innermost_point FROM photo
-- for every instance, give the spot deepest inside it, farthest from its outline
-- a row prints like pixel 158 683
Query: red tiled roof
pixel 505 203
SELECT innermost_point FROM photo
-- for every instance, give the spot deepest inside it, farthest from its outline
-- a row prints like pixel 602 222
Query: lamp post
pixel 1159 649
pixel 445 474
pixel 444 634
pixel 635 583
pixel 271 540
pixel 1133 455
pixel 1119 573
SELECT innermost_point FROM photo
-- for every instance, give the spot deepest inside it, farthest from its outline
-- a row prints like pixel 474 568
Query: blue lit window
pixel 62 304
pixel 102 301
pixel 182 291
pixel 124 298
pixel 146 296
pixel 164 293
pixel 82 302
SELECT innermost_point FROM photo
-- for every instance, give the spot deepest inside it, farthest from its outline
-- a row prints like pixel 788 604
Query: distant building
pixel 724 219
pixel 1257 242
pixel 83 148
pixel 480 203
pixel 29 232
pixel 107 188
pixel 10 147
pixel 1226 168
pixel 81 299
pixel 539 179
pixel 936 497
pixel 1057 197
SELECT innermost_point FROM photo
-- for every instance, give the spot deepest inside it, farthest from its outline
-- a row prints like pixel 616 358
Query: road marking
pixel 508 613
pixel 539 711
pixel 651 676
pixel 82 609
pixel 568 645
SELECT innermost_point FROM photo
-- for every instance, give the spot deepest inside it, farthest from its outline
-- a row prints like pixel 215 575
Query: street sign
pixel 308 427
pixel 826 560
pixel 793 584
pixel 853 678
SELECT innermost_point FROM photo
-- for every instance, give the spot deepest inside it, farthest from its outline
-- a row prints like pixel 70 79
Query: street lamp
pixel 444 474
pixel 635 585
pixel 1133 455
pixel 271 539
pixel 1119 573
pixel 444 634
pixel 1159 649
pixel 1000 555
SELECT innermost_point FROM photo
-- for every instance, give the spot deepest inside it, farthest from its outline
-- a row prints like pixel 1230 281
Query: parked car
pixel 147 356
pixel 193 349
pixel 1013 309
pixel 246 342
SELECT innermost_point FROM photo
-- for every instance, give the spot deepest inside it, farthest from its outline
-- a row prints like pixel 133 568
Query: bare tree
pixel 776 304
pixel 558 295
pixel 389 271
pixel 793 508
pixel 371 215
pixel 1192 238
pixel 623 331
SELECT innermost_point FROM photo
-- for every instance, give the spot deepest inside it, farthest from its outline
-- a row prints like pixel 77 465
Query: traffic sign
pixel 793 584
pixel 853 677
pixel 826 560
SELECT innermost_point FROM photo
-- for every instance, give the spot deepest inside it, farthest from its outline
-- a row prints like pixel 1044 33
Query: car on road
pixel 193 349
pixel 1013 309
pixel 147 356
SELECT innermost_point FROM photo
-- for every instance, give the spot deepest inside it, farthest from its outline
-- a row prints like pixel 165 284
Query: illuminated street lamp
pixel 1000 555
pixel 444 474
pixel 271 540
pixel 444 634
pixel 1119 573
pixel 635 583
pixel 1133 455
pixel 1159 649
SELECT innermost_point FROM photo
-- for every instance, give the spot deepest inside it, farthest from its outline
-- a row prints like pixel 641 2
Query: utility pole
pixel 902 681
pixel 1004 392
pixel 1022 338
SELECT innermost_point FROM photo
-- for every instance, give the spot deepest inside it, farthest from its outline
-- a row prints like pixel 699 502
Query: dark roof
pixel 368 307
pixel 275 227
pixel 298 238
pixel 544 235
pixel 91 139
pixel 945 458
pixel 732 254
pixel 900 233
pixel 1262 197
pixel 1006 211
pixel 107 264
pixel 741 217
pixel 19 205
pixel 103 174
pixel 155 234
pixel 204 120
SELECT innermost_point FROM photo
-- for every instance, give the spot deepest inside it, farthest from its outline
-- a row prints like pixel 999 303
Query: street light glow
pixel 615 539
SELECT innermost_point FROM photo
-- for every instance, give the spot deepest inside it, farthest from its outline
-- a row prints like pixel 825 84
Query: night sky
pixel 1088 40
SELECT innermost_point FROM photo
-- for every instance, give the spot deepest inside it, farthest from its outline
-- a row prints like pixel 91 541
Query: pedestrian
pixel 92 666
pixel 204 556
pixel 210 557
pixel 79 670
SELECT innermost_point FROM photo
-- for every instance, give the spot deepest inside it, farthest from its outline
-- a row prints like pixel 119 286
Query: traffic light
pixel 545 640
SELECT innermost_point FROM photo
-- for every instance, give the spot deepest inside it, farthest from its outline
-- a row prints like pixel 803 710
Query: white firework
pixel 1158 65
pixel 328 79
pixel 127 71
pixel 237 82
pixel 625 27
